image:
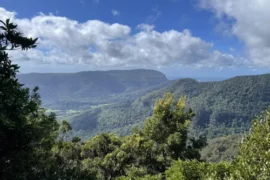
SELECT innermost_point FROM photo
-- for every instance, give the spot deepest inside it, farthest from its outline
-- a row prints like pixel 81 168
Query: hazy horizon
pixel 169 77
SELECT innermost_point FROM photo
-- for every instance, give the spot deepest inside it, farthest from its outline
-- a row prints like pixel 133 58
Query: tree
pixel 187 170
pixel 195 170
pixel 253 161
pixel 168 128
pixel 102 156
pixel 141 152
pixel 66 160
pixel 27 134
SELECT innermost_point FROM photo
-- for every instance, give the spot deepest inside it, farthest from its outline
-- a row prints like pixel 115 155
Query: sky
pixel 181 38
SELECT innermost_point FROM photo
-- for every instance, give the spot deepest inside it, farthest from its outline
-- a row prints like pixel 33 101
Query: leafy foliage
pixel 254 158
pixel 194 170
pixel 251 163
pixel 222 148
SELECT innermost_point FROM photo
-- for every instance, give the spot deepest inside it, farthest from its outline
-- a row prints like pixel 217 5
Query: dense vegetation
pixel 35 146
pixel 222 148
pixel 222 108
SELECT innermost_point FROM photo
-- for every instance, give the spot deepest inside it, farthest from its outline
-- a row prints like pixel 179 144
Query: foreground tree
pixel 163 139
pixel 102 156
pixel 148 152
pixel 168 128
pixel 27 134
pixel 253 161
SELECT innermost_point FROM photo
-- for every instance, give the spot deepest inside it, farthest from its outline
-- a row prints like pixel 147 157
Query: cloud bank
pixel 249 21
pixel 101 45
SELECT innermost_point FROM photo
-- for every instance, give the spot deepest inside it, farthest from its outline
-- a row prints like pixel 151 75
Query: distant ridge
pixel 91 84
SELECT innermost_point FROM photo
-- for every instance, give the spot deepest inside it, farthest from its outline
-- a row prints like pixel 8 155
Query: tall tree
pixel 168 128
pixel 163 139
pixel 27 134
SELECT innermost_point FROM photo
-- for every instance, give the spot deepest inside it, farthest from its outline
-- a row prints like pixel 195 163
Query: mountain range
pixel 118 101
pixel 90 86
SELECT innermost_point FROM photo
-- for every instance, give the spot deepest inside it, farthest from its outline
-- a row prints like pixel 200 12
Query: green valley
pixel 221 108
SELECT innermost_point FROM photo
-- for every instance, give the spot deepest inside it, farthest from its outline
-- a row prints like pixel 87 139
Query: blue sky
pixel 190 38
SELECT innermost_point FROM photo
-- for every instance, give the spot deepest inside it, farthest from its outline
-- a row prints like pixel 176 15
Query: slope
pixel 222 108
pixel 90 86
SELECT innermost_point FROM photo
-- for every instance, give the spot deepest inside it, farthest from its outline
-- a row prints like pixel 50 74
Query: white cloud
pixel 6 14
pixel 249 21
pixel 108 46
pixel 115 12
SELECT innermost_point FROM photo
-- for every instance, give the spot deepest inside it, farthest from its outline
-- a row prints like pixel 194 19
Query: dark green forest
pixel 170 141
pixel 222 108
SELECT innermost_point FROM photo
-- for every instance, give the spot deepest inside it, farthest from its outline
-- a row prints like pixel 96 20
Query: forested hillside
pixel 91 85
pixel 118 101
pixel 221 108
